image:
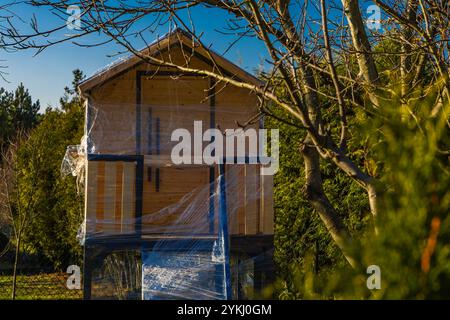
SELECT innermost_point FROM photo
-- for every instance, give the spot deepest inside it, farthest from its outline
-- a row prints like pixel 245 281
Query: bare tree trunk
pixel 16 264
pixel 351 169
pixel 367 69
pixel 318 199
pixel 313 186
pixel 405 58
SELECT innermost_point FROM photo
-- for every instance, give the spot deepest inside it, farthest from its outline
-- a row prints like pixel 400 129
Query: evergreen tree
pixel 24 111
pixel 53 232
pixel 18 112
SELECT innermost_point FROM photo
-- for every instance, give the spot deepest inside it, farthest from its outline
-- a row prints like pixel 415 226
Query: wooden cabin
pixel 134 194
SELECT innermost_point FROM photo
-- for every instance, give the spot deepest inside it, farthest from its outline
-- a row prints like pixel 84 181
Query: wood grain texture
pixel 91 197
pixel 128 197
pixel 177 102
pixel 109 197
pixel 118 197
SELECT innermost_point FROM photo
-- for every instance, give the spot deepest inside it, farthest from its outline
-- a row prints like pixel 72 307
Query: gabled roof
pixel 168 40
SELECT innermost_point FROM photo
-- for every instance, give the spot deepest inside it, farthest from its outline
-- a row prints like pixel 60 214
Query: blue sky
pixel 46 74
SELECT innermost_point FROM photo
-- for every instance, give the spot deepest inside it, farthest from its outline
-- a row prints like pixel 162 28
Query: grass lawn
pixel 39 286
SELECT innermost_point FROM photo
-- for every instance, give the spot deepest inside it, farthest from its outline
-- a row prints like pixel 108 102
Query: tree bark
pixel 405 58
pixel 351 169
pixel 367 69
pixel 313 186
pixel 16 264
pixel 317 198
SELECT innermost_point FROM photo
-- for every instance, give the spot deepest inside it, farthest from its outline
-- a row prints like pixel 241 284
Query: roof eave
pixel 104 75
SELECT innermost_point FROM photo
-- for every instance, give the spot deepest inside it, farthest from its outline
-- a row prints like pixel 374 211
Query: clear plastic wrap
pixel 168 213
pixel 74 163
pixel 181 245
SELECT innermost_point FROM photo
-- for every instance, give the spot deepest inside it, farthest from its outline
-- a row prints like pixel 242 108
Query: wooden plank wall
pixel 110 197
pixel 237 105
pixel 164 99
pixel 174 184
pixel 251 198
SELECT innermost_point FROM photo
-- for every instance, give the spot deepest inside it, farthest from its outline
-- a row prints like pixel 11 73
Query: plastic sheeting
pixel 182 254
pixel 158 229
pixel 176 198
pixel 74 164
pixel 125 275
pixel 191 274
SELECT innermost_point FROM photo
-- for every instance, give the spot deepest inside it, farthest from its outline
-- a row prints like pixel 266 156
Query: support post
pixel 223 231
pixel 212 169
pixel 87 273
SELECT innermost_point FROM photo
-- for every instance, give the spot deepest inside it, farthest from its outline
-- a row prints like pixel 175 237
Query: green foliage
pixel 58 208
pixel 17 112
pixel 302 243
pixel 409 145
pixel 409 153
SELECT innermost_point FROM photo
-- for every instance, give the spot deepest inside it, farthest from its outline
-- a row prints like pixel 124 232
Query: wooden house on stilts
pixel 156 229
